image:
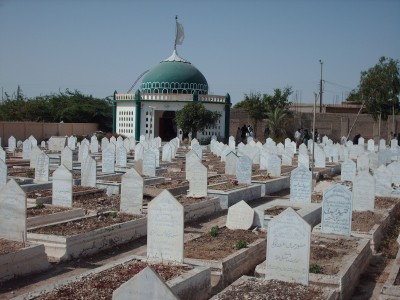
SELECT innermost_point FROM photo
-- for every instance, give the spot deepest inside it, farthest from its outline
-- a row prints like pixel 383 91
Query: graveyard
pixel 116 217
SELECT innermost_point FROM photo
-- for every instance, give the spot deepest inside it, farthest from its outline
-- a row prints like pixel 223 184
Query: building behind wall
pixel 166 88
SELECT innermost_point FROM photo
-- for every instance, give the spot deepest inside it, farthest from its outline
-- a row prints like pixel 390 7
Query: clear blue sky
pixel 98 46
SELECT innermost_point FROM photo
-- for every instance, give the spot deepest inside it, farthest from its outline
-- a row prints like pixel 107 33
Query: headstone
pixel 383 181
pixel 104 143
pixel 94 144
pixel 264 159
pixel 42 168
pixel 319 156
pixel 3 174
pixel 337 208
pixel 26 149
pixel 62 187
pixel 240 216
pixel 147 284
pixel 138 166
pixel 72 142
pixel 232 143
pixel 131 192
pixel 12 212
pixel 113 140
pixel 66 158
pixel 139 151
pixel 363 163
pixel 127 145
pixel 287 157
pixel 303 160
pixel 303 149
pixel 197 148
pixel 157 155
pixel 33 140
pixel 2 154
pixel 191 158
pixel 348 170
pixel 394 167
pixel 121 156
pixel 371 145
pixel 166 153
pixel 43 144
pixel 88 172
pixel 274 165
pixel 230 163
pixel 244 169
pixel 108 158
pixel 301 185
pixel 149 164
pixel 83 152
pixel 373 161
pixel 363 192
pixel 197 176
pixel 382 144
pixel 288 248
pixel 34 154
pixel 142 138
pixel 57 143
pixel 280 147
pixel 165 223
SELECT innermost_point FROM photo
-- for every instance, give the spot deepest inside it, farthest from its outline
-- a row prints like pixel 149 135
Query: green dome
pixel 174 76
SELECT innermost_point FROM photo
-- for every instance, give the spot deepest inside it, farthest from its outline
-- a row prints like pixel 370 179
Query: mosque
pixel 165 89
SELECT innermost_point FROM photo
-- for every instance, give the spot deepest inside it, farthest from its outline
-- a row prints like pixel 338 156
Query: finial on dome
pixel 175 57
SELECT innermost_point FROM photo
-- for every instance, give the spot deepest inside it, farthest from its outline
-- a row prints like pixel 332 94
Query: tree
pixel 194 117
pixel 380 87
pixel 259 106
pixel 277 120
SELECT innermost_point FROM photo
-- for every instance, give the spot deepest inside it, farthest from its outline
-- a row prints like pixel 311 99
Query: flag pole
pixel 176 30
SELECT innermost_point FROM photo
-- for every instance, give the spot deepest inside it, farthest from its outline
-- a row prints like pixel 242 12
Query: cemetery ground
pixel 205 238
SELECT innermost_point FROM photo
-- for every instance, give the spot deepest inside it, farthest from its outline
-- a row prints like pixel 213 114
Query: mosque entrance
pixel 167 126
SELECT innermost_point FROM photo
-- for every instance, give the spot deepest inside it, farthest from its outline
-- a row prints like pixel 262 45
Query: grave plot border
pixel 55 217
pixel 273 185
pixel 49 199
pixel 310 212
pixel 389 289
pixel 226 270
pixel 328 294
pixel 194 284
pixel 29 260
pixel 231 197
pixel 204 208
pixel 345 281
pixel 63 248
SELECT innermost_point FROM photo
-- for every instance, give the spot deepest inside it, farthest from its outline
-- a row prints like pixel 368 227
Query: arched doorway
pixel 167 126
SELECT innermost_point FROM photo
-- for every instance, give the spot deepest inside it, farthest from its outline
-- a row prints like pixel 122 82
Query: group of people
pixel 243 133
pixel 302 136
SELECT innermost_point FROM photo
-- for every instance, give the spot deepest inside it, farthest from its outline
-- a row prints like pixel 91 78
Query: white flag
pixel 180 34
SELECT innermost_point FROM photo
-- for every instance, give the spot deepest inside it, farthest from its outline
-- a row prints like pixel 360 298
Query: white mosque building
pixel 166 88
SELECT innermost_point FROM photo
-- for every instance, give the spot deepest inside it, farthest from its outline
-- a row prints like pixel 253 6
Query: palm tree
pixel 277 120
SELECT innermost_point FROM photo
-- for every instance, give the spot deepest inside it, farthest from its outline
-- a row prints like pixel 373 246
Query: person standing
pixel 244 132
pixel 238 136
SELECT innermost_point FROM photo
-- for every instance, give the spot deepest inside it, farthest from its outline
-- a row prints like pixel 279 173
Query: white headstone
pixel 166 153
pixel 394 167
pixel 232 143
pixel 274 165
pixel 34 154
pixel 197 176
pixel 57 143
pixel 12 212
pixel 88 172
pixel 244 169
pixel 149 164
pixel 3 174
pixel 371 145
pixel 288 248
pixel 383 181
pixel 320 158
pixel 301 185
pixel 348 170
pixel 66 158
pixel 147 284
pixel 157 155
pixel 94 144
pixel 2 154
pixel 131 192
pixel 382 144
pixel 165 223
pixel 240 216
pixel 230 163
pixel 62 187
pixel 108 159
pixel 139 151
pixel 337 208
pixel 363 192
pixel 12 143
pixel 72 142
pixel 42 168
pixel 26 149
pixel 303 160
pixel 363 163
pixel 121 156
pixel 199 151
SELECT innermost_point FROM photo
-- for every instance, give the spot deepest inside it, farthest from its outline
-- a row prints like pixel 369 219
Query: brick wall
pixel 335 125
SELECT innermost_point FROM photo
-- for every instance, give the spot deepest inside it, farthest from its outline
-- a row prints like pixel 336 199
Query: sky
pixel 241 47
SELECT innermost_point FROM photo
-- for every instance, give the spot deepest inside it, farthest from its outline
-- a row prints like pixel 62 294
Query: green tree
pixel 277 120
pixel 194 117
pixel 259 106
pixel 379 88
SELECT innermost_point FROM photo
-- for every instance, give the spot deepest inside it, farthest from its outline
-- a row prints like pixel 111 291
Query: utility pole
pixel 320 89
